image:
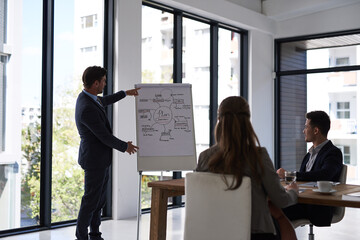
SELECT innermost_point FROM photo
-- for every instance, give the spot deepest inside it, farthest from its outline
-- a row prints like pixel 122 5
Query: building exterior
pixel 337 94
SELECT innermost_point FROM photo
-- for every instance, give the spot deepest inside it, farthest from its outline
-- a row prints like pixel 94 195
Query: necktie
pixel 99 101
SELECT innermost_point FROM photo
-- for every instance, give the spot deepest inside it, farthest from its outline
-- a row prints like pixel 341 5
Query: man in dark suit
pixel 95 151
pixel 322 162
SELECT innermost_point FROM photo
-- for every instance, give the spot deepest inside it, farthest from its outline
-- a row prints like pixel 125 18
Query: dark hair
pixel 92 74
pixel 319 119
pixel 236 141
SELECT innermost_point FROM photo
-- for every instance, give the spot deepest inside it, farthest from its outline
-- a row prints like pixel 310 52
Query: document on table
pixel 355 194
pixel 308 184
pixel 302 190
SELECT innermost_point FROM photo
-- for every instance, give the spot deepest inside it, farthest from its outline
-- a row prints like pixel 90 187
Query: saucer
pixel 317 190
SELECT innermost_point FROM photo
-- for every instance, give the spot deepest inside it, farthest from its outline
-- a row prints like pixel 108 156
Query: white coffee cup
pixel 324 186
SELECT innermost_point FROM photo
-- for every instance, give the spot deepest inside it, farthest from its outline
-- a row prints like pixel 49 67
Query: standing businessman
pixel 95 151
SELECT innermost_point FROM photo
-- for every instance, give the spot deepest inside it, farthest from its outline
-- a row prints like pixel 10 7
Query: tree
pixel 67 176
pixel 30 184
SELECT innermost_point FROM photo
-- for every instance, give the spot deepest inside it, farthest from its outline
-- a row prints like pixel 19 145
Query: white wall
pixel 127 62
pixel 338 19
pixel 227 12
pixel 286 9
pixel 261 88
pixel 128 72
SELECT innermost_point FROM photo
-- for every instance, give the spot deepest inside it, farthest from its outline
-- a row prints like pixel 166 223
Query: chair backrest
pixel 212 212
pixel 339 212
pixel 342 178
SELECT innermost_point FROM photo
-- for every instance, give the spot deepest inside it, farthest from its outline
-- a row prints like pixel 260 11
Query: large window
pixel 157 57
pixel 229 63
pixel 20 160
pixel 157 62
pixel 45 46
pixel 318 73
pixel 70 60
pixel 196 68
pixel 178 47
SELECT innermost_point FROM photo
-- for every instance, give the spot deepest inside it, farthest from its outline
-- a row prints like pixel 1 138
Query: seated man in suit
pixel 322 162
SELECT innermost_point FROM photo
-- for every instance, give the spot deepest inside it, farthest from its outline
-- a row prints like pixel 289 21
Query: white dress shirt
pixel 313 154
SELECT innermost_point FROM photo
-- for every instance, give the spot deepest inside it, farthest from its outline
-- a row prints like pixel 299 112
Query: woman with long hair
pixel 237 152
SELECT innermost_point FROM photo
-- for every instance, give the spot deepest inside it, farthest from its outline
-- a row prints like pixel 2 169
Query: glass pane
pixel 196 67
pixel 326 92
pixel 157 67
pixel 320 53
pixel 229 64
pixel 78 43
pixel 332 93
pixel 20 113
pixel 157 46
pixel 146 191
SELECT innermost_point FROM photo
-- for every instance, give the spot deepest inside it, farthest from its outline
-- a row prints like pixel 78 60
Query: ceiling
pixel 280 10
pixel 328 42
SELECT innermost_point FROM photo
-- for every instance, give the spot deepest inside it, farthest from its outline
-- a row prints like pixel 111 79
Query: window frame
pixel 177 65
pixel 47 118
pixel 214 25
pixel 279 74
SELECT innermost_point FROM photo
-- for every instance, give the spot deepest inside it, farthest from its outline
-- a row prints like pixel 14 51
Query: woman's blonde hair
pixel 236 141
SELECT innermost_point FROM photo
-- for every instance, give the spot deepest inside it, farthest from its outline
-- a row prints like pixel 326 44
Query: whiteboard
pixel 165 127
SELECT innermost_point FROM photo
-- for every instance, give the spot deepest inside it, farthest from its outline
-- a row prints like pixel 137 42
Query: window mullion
pixel 214 58
pixel 109 88
pixel 244 65
pixel 177 76
pixel 46 113
pixel 177 47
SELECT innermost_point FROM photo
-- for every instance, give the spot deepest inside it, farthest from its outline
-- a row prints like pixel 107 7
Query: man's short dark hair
pixel 319 119
pixel 92 74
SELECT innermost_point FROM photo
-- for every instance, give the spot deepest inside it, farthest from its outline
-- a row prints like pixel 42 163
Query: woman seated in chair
pixel 237 152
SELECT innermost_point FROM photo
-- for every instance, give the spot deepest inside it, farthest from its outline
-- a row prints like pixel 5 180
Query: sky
pixel 32 48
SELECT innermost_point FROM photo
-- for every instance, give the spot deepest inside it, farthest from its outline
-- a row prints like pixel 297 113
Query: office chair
pixel 338 215
pixel 212 212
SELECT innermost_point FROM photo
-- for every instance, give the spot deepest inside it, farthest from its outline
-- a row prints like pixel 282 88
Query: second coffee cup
pixel 324 186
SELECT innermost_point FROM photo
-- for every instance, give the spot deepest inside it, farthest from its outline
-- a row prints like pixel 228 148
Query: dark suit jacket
pixel 327 166
pixel 97 140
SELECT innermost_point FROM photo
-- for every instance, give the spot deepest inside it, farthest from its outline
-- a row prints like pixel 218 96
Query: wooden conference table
pixel 162 190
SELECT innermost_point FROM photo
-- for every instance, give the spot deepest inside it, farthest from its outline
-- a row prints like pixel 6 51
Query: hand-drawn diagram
pixel 165 124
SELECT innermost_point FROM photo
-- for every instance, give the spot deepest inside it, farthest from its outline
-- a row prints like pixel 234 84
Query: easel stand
pixel 139 207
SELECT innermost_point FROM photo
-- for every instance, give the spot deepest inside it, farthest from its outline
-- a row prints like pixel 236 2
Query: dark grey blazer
pixel 97 140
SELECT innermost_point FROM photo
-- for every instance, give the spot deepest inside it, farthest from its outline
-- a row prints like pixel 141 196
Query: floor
pixel 347 229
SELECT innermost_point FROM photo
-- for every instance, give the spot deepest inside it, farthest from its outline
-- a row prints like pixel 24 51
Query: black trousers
pixel 317 214
pixel 263 236
pixel 91 203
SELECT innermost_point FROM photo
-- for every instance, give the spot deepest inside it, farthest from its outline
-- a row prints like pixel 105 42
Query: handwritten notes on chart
pixel 165 120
